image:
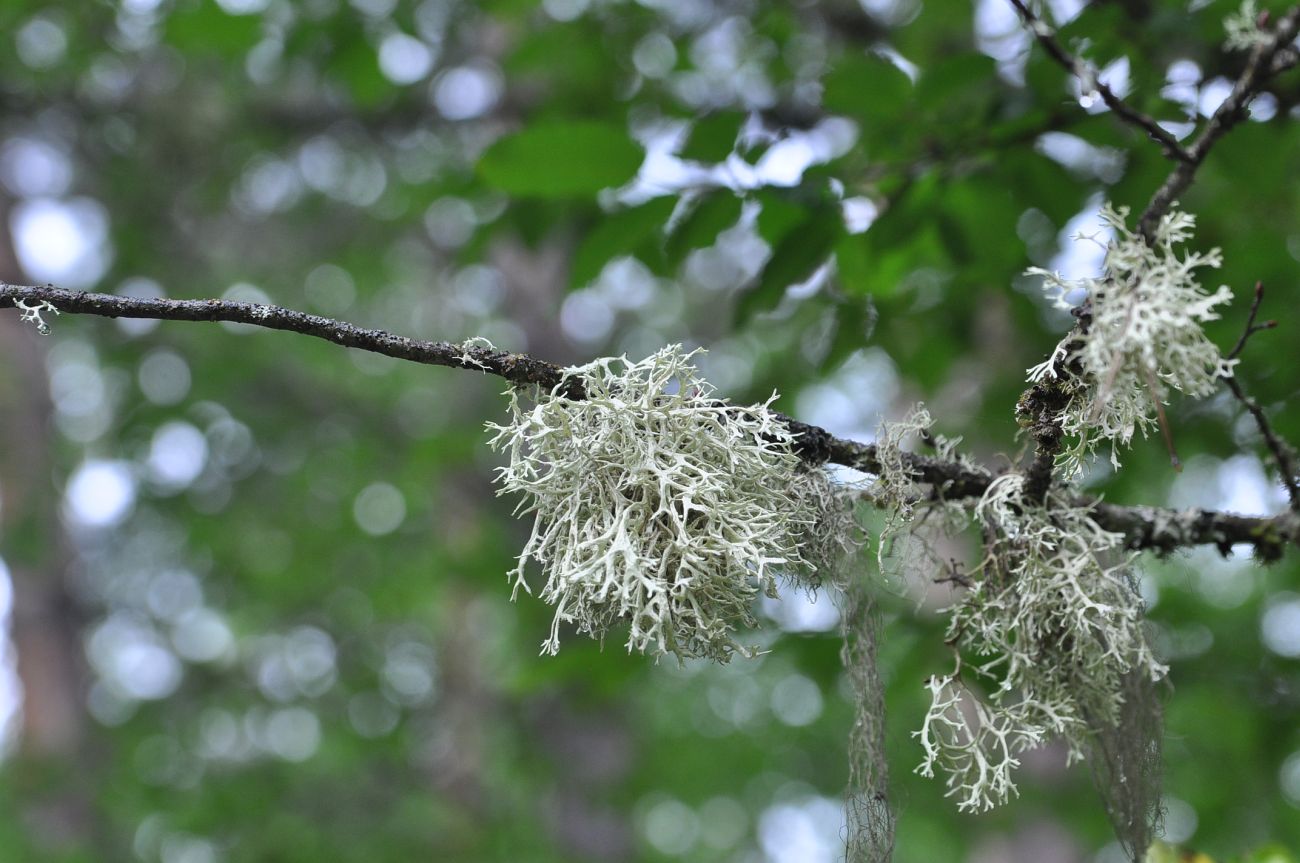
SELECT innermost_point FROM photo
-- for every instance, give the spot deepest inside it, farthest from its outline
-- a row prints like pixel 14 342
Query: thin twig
pixel 1145 527
pixel 1087 77
pixel 1283 455
pixel 1251 326
pixel 1281 451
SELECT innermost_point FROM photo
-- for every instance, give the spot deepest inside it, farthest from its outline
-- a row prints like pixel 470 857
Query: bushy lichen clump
pixel 658 506
pixel 1048 638
pixel 1144 336
pixel 1051 628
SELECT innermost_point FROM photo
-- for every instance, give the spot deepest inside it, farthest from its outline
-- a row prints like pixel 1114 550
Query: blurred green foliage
pixel 292 638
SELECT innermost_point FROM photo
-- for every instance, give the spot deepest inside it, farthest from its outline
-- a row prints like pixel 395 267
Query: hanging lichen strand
pixel 869 837
pixel 834 550
pixel 1127 764
pixel 658 506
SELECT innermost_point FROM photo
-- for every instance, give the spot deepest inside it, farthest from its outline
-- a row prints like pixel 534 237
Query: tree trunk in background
pixel 45 631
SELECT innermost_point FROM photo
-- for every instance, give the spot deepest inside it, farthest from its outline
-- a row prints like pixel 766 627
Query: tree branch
pixel 1087 77
pixel 1152 528
pixel 1271 57
pixel 516 368
pixel 1267 59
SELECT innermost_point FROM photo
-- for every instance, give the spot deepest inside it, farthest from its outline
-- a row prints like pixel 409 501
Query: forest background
pixel 255 585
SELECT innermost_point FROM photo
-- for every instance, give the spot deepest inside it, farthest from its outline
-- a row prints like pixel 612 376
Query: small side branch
pixel 1251 326
pixel 1282 452
pixel 1087 77
pixel 1145 527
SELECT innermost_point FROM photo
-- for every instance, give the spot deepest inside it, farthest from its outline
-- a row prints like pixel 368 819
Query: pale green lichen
pixel 470 344
pixel 915 513
pixel 1243 30
pixel 1051 628
pixel 32 312
pixel 1144 338
pixel 660 507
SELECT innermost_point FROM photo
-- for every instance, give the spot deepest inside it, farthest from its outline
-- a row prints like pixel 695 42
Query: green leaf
pixel 778 216
pixel 207 29
pixel 562 159
pixel 533 220
pixel 954 77
pixel 853 264
pixel 581 85
pixel 903 239
pixel 713 137
pixel 1269 854
pixel 866 87
pixel 712 215
pixel 805 247
pixel 910 213
pixel 976 215
pixel 356 65
pixel 621 233
pixel 959 90
pixel 855 319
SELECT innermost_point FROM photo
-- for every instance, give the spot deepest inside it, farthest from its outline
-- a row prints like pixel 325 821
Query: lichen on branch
pixel 1243 29
pixel 660 507
pixel 1143 337
pixel 1048 632
pixel 951 478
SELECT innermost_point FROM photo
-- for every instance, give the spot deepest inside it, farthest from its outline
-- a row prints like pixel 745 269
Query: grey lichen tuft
pixel 1052 629
pixel 1144 338
pixel 658 506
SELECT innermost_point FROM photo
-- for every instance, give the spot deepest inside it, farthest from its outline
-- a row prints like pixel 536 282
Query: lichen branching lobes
pixel 1144 336
pixel 658 506
pixel 1051 630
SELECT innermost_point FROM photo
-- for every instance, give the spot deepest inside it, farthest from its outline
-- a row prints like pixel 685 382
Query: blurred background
pixel 253 594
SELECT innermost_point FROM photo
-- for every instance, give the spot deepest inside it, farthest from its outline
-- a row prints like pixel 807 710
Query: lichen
pixel 659 506
pixel 32 312
pixel 915 513
pixel 1050 631
pixel 869 822
pixel 1143 339
pixel 1243 30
